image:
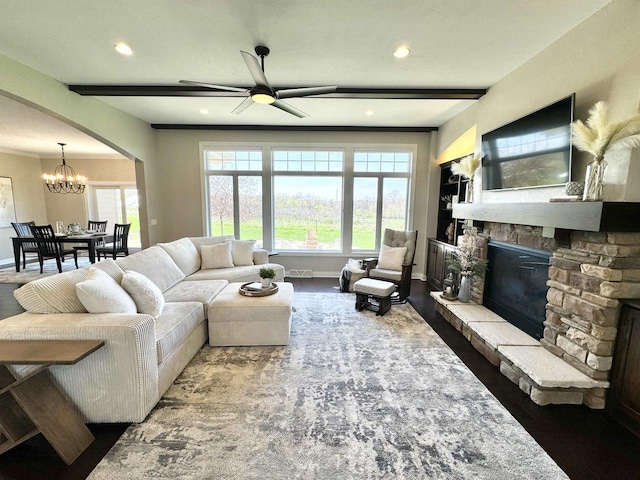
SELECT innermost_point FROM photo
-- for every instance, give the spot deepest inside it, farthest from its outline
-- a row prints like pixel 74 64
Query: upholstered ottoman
pixel 374 295
pixel 236 320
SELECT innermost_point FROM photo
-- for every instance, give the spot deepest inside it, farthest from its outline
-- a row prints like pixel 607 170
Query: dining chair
pixel 22 230
pixel 120 241
pixel 49 247
pixel 97 226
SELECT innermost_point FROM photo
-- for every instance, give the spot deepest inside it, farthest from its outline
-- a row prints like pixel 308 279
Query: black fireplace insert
pixel 516 285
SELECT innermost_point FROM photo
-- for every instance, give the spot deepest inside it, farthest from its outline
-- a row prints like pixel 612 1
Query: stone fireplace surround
pixel 589 273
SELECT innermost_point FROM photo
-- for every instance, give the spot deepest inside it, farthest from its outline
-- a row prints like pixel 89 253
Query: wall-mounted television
pixel 533 151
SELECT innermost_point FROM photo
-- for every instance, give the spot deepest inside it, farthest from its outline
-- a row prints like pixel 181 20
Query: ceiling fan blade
pixel 289 109
pixel 303 92
pixel 254 68
pixel 246 103
pixel 211 85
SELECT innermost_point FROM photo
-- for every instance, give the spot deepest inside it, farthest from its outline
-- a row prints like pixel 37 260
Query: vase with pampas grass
pixel 467 167
pixel 597 137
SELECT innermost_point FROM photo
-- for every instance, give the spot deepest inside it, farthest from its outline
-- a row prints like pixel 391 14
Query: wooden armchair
pixel 401 277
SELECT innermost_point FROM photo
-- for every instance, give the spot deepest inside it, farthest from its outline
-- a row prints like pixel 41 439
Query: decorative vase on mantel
pixel 469 196
pixel 594 180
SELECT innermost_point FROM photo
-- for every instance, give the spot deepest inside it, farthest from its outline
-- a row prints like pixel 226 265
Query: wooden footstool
pixel 373 295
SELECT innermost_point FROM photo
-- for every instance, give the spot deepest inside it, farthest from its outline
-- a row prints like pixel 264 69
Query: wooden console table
pixel 33 404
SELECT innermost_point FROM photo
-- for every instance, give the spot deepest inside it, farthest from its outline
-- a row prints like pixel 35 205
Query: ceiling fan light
pixel 123 49
pixel 263 98
pixel 401 52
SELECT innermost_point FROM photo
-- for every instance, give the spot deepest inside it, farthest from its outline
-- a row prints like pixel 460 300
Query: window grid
pixel 307 160
pixel 385 162
pixel 233 160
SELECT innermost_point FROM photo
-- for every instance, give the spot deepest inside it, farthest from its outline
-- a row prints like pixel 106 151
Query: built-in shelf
pixel 587 216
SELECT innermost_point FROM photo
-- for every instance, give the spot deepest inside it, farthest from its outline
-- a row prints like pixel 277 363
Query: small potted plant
pixel 266 276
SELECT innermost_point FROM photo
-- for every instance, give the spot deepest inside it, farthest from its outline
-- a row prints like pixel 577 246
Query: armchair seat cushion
pixel 392 275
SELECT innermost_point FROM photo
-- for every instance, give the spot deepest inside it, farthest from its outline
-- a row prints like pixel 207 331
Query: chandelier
pixel 64 179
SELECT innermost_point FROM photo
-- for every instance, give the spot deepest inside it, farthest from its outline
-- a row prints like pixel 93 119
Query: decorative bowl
pixel 574 188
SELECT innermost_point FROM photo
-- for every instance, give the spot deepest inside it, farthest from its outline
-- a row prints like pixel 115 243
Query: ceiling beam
pixel 291 128
pixel 341 92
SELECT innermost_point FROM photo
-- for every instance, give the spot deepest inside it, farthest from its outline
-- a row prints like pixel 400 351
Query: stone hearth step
pixel 547 370
pixel 546 378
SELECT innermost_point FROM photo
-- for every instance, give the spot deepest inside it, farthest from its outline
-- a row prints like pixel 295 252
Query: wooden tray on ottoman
pixel 270 290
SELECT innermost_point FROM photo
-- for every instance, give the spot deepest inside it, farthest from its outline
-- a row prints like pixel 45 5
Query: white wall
pixel 179 160
pixel 598 60
pixel 29 202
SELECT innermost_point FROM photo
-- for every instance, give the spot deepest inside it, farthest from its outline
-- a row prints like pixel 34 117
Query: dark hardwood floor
pixel 585 443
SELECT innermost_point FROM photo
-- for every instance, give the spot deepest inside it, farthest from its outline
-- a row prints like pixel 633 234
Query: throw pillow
pixel 216 256
pixel 145 293
pixel 100 293
pixel 391 258
pixel 242 252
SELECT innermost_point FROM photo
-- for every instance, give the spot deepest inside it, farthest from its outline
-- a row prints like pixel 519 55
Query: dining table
pixel 91 240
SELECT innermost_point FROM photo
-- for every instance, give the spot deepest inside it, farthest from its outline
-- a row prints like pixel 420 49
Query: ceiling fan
pixel 262 92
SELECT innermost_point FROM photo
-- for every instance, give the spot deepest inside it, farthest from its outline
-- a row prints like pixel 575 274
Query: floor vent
pixel 300 273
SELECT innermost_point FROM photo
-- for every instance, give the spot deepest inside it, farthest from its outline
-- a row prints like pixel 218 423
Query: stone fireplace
pixel 588 273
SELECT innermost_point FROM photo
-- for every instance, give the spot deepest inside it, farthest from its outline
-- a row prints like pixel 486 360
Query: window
pixel 234 193
pixel 307 207
pixel 380 195
pixel 116 204
pixel 307 199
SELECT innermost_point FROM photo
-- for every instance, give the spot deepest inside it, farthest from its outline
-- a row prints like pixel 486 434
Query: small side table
pixel 33 404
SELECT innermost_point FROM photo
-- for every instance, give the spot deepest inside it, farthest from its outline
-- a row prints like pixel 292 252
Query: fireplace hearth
pixel 516 285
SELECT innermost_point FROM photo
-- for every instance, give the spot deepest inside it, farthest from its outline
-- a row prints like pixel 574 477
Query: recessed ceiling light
pixel 369 113
pixel 123 49
pixel 401 52
pixel 204 111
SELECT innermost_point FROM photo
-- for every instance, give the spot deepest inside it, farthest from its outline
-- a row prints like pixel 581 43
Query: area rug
pixel 353 396
pixel 32 272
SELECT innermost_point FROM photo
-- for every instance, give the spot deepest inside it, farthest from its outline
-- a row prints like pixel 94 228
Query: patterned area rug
pixel 32 272
pixel 353 396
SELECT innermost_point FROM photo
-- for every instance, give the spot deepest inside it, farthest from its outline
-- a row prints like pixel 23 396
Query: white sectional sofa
pixel 143 355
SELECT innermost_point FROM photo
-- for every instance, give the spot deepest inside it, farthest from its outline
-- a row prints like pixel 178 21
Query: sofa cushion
pixel 175 324
pixel 216 256
pixel 155 264
pixel 237 274
pixel 57 293
pixel 145 293
pixel 100 293
pixel 184 253
pixel 203 291
pixel 200 241
pixel 242 252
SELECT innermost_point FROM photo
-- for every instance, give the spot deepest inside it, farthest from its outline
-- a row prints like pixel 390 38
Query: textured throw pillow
pixel 100 293
pixel 145 293
pixel 391 258
pixel 242 252
pixel 216 256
